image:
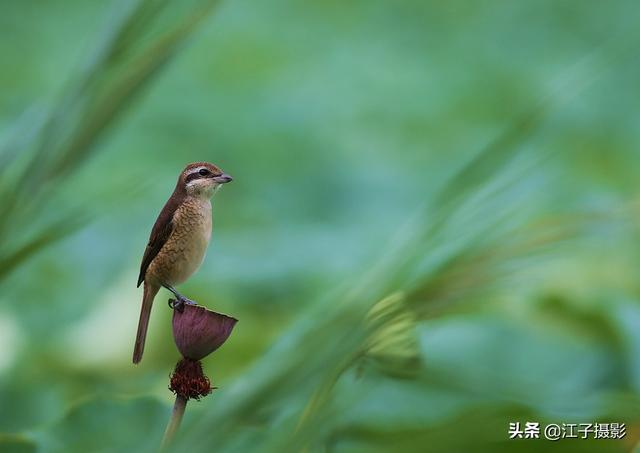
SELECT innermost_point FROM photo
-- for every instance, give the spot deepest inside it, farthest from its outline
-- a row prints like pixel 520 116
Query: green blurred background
pixel 432 231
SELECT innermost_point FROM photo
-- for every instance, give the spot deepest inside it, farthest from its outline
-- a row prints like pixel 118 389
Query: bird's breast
pixel 185 249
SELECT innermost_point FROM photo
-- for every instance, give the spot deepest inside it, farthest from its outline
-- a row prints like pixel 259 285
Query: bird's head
pixel 201 179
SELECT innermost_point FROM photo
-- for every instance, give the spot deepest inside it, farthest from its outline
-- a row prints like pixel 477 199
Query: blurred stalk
pixel 133 49
pixel 174 424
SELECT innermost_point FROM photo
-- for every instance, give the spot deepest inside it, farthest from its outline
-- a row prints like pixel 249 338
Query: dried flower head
pixel 198 331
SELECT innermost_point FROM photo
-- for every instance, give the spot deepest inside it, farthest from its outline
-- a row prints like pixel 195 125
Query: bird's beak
pixel 222 179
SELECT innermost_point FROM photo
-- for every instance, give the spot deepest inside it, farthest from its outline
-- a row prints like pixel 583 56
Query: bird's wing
pixel 160 232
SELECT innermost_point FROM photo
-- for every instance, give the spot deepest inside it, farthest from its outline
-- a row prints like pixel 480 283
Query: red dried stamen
pixel 188 380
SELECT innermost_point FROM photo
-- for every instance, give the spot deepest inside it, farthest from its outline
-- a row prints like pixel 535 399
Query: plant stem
pixel 174 423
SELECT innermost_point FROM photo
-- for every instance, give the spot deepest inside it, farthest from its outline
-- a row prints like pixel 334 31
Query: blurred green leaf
pixel 90 426
pixel 16 444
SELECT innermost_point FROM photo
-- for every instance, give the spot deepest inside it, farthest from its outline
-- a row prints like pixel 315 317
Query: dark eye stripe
pixel 190 177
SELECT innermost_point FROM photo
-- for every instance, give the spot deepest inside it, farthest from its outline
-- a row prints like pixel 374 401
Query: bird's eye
pixel 203 172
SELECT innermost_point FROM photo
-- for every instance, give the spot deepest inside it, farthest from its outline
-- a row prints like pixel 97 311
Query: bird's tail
pixel 150 292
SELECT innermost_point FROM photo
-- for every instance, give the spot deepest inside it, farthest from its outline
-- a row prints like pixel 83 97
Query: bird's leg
pixel 180 301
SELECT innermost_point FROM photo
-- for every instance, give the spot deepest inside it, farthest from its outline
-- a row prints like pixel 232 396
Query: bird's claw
pixel 178 304
pixel 175 305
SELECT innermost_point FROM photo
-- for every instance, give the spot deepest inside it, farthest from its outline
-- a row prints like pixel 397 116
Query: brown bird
pixel 178 240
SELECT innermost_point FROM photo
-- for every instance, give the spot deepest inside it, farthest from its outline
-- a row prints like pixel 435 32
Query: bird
pixel 178 240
